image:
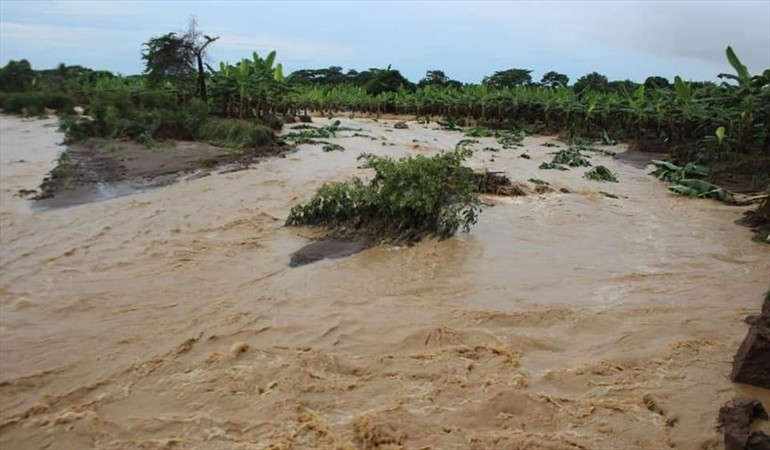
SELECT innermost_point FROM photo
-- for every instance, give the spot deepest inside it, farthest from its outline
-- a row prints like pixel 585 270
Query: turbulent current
pixel 171 318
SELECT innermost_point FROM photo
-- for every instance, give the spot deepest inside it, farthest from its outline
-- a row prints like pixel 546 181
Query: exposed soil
pixel 749 173
pixel 327 249
pixel 98 168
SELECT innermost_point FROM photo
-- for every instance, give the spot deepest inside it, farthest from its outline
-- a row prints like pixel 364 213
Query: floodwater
pixel 171 319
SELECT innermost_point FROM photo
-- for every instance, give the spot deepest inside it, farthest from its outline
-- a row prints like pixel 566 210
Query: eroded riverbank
pixel 171 317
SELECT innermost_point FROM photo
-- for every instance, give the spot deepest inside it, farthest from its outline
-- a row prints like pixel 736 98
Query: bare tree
pixel 198 43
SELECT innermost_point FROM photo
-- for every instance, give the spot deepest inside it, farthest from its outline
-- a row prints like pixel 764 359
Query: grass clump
pixel 408 199
pixel 236 134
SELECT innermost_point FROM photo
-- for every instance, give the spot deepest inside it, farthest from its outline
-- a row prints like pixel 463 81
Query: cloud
pixel 83 8
pixel 47 45
pixel 294 48
pixel 292 53
pixel 53 35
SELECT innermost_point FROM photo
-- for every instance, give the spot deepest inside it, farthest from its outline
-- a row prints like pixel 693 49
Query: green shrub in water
pixel 601 173
pixel 407 199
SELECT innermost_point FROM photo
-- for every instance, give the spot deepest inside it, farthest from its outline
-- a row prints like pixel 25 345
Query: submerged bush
pixel 236 133
pixel 571 157
pixel 601 173
pixel 407 199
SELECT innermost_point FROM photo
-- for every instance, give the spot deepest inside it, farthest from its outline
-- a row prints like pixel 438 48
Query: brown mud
pixel 99 169
pixel 169 319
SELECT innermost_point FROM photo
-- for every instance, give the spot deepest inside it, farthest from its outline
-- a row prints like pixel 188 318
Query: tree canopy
pixel 508 78
pixel 438 78
pixel 16 76
pixel 656 82
pixel 593 81
pixel 554 79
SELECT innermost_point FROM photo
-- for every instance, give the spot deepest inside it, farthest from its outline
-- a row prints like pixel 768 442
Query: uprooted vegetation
pixel 566 158
pixel 406 200
pixel 309 134
pixel 506 138
pixel 601 173
pixel 689 181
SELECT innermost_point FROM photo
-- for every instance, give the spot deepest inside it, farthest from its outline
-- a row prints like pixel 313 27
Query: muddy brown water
pixel 170 318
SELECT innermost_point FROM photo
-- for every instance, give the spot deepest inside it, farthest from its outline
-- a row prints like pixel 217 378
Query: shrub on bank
pixel 34 103
pixel 236 133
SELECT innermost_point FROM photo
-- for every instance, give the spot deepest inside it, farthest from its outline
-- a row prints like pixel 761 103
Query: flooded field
pixel 171 318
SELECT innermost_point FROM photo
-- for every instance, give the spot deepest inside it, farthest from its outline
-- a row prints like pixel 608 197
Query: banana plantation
pixel 736 115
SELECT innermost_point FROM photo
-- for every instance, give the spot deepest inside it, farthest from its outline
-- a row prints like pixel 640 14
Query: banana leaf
pixel 702 189
pixel 684 190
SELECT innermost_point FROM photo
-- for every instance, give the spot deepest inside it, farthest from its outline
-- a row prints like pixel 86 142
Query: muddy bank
pixel 99 169
pixel 327 249
pixel 170 317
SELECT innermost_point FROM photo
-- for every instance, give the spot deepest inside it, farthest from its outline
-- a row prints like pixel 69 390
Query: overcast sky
pixel 465 39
